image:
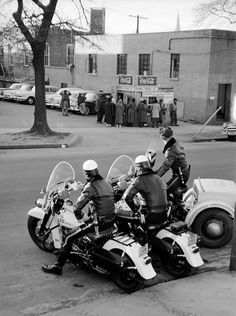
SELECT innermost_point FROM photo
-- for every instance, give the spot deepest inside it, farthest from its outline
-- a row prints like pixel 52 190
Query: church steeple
pixel 177 28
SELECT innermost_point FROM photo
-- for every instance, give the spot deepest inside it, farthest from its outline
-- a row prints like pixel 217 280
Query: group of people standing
pixel 119 114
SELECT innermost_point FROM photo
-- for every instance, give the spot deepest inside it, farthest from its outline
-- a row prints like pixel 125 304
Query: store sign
pixel 126 80
pixel 147 81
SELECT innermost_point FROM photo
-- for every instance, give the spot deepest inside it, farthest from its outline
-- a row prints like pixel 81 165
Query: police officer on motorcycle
pixel 175 160
pixel 151 187
pixel 98 191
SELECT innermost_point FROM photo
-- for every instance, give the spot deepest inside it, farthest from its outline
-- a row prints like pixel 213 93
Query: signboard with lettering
pixel 123 79
pixel 147 81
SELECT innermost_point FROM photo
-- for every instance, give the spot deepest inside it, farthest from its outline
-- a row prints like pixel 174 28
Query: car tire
pixel 214 226
pixel 84 109
pixel 30 100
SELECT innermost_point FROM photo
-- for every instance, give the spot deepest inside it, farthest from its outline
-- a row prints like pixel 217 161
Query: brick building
pixel 200 67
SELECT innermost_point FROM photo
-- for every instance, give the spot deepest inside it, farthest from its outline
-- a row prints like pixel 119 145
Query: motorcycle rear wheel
pixel 176 265
pixel 43 242
pixel 127 279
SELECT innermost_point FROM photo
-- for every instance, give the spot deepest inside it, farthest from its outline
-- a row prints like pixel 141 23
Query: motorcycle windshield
pixel 62 172
pixel 120 167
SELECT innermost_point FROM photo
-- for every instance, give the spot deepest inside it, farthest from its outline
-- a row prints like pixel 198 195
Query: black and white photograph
pixel 117 157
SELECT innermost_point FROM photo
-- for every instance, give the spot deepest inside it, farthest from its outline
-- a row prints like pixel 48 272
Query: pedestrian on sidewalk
pixel 119 113
pixel 163 111
pixel 155 113
pixel 65 102
pixel 142 114
pixel 100 108
pixel 131 112
pixel 109 118
pixel 173 113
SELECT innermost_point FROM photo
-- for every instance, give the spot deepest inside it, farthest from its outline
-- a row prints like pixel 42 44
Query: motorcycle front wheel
pixel 175 264
pixel 44 242
pixel 128 278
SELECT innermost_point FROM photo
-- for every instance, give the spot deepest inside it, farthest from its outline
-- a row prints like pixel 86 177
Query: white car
pixel 6 93
pixel 54 100
pixel 14 86
pixel 28 96
pixel 209 207
pixel 10 94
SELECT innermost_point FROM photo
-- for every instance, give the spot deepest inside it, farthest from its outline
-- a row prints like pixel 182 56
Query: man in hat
pixel 174 159
pixel 173 112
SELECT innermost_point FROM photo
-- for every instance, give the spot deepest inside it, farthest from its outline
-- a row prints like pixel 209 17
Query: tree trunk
pixel 40 125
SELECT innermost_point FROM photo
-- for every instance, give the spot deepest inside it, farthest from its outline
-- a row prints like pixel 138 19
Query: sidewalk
pixel 102 135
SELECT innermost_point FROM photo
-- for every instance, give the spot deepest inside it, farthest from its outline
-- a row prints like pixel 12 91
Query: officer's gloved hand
pixel 131 172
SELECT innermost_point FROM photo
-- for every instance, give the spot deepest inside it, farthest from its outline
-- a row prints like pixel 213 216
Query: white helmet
pixel 142 162
pixel 90 168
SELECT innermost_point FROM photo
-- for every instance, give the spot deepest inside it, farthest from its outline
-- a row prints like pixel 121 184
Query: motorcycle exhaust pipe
pixel 161 246
pixel 107 260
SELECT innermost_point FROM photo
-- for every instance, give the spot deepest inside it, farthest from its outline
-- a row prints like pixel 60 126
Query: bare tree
pixel 220 9
pixel 37 42
pixel 33 20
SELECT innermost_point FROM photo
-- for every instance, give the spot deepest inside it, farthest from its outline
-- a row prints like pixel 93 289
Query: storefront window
pixel 121 64
pixel 144 64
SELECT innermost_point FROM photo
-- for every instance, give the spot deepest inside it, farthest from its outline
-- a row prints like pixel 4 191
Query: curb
pixel 33 146
pixel 75 140
pixel 209 139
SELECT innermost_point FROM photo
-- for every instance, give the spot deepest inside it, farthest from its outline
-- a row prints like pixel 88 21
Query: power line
pixel 138 17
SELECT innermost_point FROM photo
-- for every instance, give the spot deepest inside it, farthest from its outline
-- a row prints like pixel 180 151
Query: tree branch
pixel 18 18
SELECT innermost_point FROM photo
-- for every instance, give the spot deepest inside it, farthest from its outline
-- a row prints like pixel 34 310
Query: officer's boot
pixel 56 268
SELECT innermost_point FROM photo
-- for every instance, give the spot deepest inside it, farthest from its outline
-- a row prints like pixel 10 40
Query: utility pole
pixel 138 17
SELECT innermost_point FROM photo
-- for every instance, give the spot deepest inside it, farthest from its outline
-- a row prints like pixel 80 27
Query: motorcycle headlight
pixel 39 203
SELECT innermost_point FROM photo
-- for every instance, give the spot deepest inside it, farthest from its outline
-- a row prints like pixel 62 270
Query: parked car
pixel 54 100
pixel 5 92
pixel 28 96
pixel 91 98
pixel 10 94
pixel 210 206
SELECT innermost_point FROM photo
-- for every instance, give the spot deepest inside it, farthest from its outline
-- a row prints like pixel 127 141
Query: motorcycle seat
pixel 104 233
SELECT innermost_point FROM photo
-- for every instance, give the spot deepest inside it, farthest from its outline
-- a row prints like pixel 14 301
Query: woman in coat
pixel 142 113
pixel 119 113
pixel 131 112
pixel 109 113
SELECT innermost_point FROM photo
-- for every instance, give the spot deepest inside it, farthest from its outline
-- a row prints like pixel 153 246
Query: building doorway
pixel 223 100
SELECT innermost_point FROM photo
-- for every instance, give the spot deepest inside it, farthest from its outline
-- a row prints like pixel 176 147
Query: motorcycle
pixel 171 241
pixel 110 252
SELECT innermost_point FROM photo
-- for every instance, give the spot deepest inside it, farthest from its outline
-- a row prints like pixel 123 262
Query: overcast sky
pixel 160 15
